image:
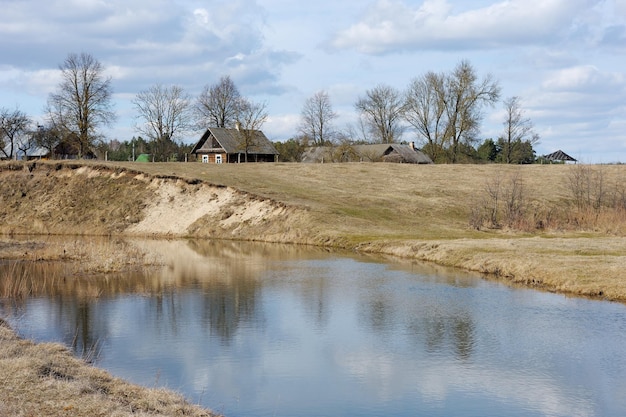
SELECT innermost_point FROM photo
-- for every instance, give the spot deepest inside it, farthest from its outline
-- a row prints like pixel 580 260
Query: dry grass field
pixel 557 227
pixel 425 212
pixel 554 227
pixel 368 201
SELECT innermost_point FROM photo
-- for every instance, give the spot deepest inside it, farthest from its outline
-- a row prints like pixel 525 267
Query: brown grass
pixel 423 212
pixel 46 380
pixel 550 240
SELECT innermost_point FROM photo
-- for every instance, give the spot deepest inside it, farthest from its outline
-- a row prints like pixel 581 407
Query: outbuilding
pixel 390 152
pixel 559 157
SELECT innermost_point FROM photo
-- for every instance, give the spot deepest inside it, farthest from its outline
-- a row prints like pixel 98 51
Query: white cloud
pixel 564 58
pixel 585 78
pixel 581 108
pixel 34 83
pixel 169 39
pixel 392 25
pixel 282 127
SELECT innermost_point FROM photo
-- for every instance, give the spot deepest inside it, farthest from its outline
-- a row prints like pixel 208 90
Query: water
pixel 256 330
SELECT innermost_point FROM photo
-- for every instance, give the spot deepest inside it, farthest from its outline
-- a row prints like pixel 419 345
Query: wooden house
pixel 220 145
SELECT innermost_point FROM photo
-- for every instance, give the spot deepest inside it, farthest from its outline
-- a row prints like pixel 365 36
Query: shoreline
pixel 414 212
pixel 236 203
pixel 47 379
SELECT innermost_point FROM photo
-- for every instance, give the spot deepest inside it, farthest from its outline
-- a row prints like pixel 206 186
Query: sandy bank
pixel 413 212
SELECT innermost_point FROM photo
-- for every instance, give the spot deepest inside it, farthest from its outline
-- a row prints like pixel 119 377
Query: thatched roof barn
pixel 393 152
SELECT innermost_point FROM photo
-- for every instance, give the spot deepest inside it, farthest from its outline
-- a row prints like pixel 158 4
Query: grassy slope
pixel 423 212
pixel 361 201
pixel 46 380
pixel 414 211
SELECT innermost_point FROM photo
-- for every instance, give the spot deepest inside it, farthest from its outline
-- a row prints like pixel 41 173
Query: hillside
pixel 421 212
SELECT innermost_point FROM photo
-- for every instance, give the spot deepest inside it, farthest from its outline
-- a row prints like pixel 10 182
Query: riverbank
pixel 420 212
pixel 47 380
pixel 417 212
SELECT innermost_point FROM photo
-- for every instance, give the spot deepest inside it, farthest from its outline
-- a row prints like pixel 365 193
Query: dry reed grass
pixel 18 281
pixel 46 380
pixel 71 266
pixel 422 212
pixel 398 208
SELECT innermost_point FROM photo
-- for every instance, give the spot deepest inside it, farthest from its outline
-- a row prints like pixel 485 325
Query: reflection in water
pixel 261 330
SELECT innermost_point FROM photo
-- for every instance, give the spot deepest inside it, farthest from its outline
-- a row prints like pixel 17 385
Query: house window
pixel 218 159
pixel 205 159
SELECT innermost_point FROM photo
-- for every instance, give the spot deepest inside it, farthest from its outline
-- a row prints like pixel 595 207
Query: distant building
pixel 393 152
pixel 33 152
pixel 559 156
pixel 220 145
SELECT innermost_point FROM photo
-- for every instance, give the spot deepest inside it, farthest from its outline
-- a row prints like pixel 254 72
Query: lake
pixel 262 330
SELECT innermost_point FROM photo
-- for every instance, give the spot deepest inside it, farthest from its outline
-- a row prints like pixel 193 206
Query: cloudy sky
pixel 566 59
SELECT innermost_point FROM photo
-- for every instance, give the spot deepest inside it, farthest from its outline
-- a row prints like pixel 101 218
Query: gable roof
pixel 393 152
pixel 230 141
pixel 407 154
pixel 31 152
pixel 559 156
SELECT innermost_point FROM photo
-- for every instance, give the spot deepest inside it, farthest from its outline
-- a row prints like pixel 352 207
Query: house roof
pixel 559 156
pixel 374 152
pixel 32 152
pixel 231 141
pixel 408 154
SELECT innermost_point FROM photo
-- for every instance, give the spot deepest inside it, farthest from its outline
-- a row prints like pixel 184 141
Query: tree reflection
pixel 463 337
pixel 224 276
pixel 222 282
pixel 440 333
pixel 225 307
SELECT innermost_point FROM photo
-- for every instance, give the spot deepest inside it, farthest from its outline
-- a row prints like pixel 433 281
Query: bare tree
pixel 316 119
pixel 164 113
pixel 217 105
pixel 14 130
pixel 382 109
pixel 464 100
pixel 250 118
pixel 446 109
pixel 47 137
pixel 425 110
pixel 82 102
pixel 517 128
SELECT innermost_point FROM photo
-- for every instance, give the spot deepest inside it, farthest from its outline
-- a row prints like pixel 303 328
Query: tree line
pixel 442 110
pixel 82 104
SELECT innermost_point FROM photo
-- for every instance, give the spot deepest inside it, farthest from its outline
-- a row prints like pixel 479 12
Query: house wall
pixel 252 157
pixel 235 158
pixel 212 157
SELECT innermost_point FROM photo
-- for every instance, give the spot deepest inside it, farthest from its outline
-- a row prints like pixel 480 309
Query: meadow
pixel 552 227
pixel 555 227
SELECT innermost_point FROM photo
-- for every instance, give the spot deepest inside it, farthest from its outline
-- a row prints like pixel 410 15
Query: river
pixel 262 330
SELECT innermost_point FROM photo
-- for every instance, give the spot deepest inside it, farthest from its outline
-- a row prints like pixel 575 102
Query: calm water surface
pixel 257 330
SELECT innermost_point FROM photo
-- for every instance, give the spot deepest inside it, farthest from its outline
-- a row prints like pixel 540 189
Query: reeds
pixel 46 380
pixel 593 204
pixel 20 280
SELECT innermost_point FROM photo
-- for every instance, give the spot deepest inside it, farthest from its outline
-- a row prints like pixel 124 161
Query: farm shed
pixel 559 156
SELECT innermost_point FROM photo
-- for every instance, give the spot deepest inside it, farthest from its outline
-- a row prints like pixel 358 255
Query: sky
pixel 565 59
